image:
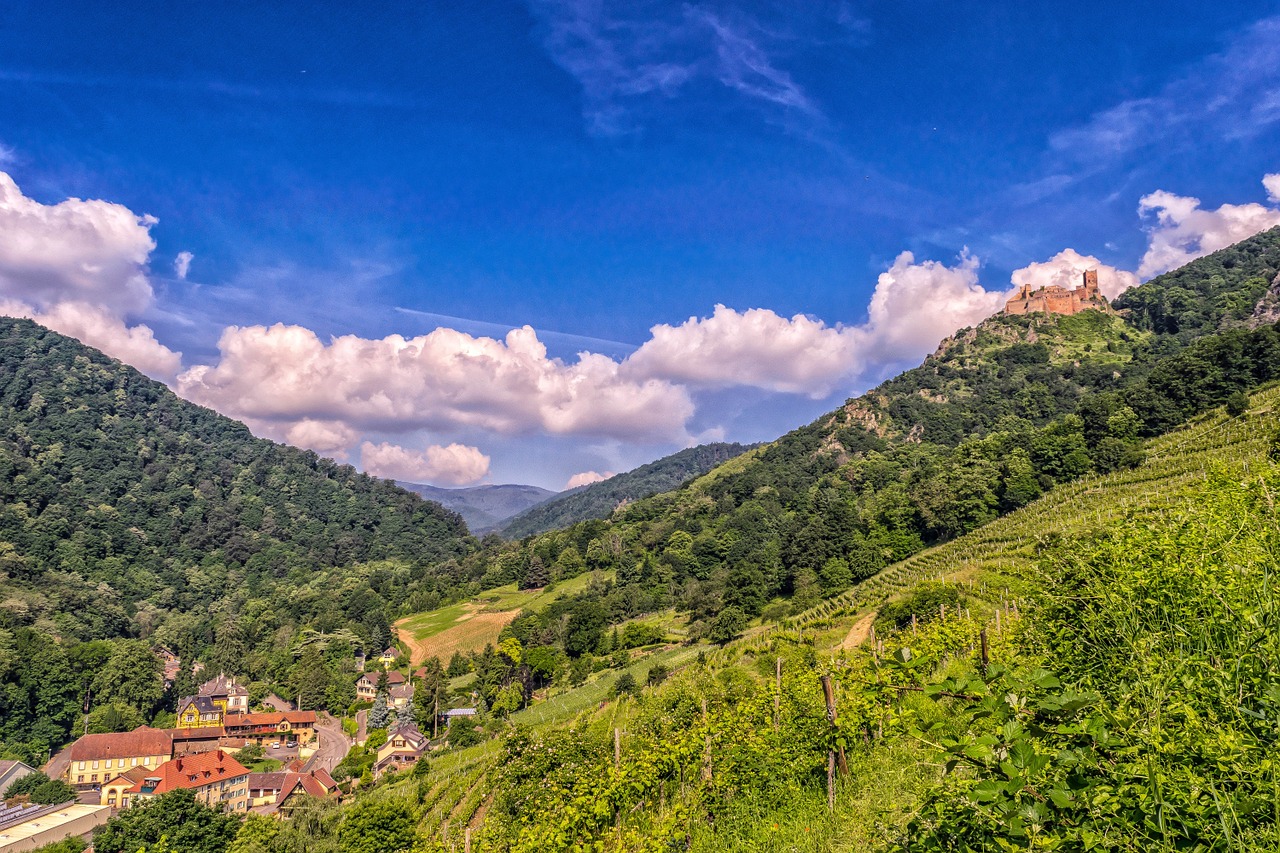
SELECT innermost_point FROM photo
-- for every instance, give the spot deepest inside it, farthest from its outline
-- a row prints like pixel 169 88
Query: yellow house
pixel 116 792
pixel 97 759
pixel 197 712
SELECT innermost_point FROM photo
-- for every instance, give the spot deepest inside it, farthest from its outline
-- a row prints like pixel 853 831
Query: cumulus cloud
pixel 182 264
pixel 97 327
pixel 755 347
pixel 445 380
pixel 73 251
pixel 1183 231
pixel 586 478
pixel 1065 269
pixel 79 267
pixel 1272 185
pixel 913 307
pixel 328 438
pixel 452 465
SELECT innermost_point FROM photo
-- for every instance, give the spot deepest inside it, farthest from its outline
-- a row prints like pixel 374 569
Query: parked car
pixel 275 744
pixel 293 744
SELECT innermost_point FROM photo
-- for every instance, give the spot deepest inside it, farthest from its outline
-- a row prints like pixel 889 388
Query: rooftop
pixel 192 771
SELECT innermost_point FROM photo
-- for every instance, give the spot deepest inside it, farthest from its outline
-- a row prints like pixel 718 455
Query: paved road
pixel 362 725
pixel 58 764
pixel 332 747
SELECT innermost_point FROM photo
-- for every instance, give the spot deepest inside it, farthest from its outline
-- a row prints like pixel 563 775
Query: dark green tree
pixel 177 817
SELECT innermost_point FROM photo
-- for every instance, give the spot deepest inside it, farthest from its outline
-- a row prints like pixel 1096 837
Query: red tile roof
pixel 193 771
pixel 270 718
pixel 143 740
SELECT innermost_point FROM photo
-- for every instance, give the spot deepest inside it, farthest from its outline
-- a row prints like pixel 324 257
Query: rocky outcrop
pixel 1267 311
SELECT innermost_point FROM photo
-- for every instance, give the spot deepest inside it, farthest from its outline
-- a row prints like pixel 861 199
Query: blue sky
pixel 593 170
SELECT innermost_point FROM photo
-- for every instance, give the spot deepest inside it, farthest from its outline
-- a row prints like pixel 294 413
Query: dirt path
pixel 859 632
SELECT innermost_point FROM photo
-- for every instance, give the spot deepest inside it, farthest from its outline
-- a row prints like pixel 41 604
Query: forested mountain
pixel 996 416
pixel 484 508
pixel 599 500
pixel 128 512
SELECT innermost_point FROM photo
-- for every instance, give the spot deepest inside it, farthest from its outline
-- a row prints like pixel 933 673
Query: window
pixel 80 766
pixel 80 778
pixel 95 765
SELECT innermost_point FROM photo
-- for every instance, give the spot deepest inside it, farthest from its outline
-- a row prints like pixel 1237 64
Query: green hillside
pixel 998 415
pixel 599 500
pixel 1129 701
pixel 126 512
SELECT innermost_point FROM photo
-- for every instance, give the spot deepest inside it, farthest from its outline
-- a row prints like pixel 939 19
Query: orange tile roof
pixel 192 771
pixel 143 740
pixel 270 718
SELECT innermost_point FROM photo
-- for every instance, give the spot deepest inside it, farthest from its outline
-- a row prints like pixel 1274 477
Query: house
pixel 389 657
pixel 32 826
pixel 367 685
pixel 196 712
pixel 456 713
pixel 404 746
pixel 317 783
pixel 12 771
pixel 272 725
pixel 276 789
pixel 400 696
pixel 203 739
pixel 95 759
pixel 171 662
pixel 224 690
pixel 217 780
pixel 115 792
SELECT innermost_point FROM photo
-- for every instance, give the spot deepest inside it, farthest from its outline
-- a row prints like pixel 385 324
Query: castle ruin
pixel 1055 299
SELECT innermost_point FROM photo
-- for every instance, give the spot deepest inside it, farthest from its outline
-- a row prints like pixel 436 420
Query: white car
pixel 275 744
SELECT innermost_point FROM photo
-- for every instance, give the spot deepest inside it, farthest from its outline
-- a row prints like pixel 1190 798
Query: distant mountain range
pixel 484 508
pixel 599 500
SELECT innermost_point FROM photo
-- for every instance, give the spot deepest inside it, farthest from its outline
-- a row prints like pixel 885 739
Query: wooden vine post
pixel 706 747
pixel 834 756
pixel 777 694
pixel 986 659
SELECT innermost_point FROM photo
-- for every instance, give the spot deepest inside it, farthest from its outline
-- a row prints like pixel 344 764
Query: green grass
pixel 498 600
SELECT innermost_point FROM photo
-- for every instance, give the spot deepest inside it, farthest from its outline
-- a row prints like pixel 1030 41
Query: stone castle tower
pixel 1055 299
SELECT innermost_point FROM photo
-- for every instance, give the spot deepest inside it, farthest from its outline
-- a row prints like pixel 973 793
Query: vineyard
pixel 738 749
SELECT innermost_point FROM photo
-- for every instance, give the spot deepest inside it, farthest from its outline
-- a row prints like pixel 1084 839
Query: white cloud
pixel 73 251
pixel 328 438
pixel 79 267
pixel 586 478
pixel 453 465
pixel 7 155
pixel 1272 185
pixel 913 307
pixel 916 305
pixel 182 264
pixel 1065 268
pixel 755 347
pixel 445 380
pixel 1183 231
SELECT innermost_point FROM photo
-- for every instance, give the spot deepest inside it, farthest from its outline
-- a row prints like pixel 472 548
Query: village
pixel 264 760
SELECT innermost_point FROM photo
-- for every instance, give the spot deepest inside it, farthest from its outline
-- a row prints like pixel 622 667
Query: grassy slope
pixel 995 559
pixel 467 626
